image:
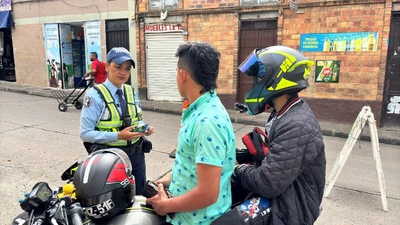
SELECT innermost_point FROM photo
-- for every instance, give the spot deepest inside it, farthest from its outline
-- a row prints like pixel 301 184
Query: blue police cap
pixel 119 55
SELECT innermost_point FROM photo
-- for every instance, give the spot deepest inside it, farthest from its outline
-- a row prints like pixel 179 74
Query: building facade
pixel 355 45
pixel 52 39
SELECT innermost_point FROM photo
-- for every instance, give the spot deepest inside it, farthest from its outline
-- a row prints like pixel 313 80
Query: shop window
pixel 258 2
pixel 163 4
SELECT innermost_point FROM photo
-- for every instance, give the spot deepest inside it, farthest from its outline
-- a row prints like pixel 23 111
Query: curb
pixel 235 119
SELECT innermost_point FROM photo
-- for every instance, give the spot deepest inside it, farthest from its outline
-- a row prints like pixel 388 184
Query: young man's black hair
pixel 201 61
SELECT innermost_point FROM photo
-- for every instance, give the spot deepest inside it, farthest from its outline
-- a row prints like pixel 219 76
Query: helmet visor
pixel 122 155
pixel 252 66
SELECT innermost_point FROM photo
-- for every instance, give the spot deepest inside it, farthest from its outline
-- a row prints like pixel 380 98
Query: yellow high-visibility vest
pixel 114 123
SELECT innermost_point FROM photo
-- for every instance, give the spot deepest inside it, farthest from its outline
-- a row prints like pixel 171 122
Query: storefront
pixel 52 46
pixel 68 47
pixel 7 65
pixel 162 41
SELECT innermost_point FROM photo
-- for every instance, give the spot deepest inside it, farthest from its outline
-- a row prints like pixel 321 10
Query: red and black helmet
pixel 104 183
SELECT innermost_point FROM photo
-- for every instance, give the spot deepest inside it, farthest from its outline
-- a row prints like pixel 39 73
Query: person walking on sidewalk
pixel 98 69
pixel 205 157
pixel 110 113
pixel 291 177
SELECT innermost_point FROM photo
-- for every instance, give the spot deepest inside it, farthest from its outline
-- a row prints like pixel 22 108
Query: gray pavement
pixel 38 142
pixel 386 135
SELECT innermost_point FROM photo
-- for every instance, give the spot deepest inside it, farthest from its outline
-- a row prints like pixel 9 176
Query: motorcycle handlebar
pixel 75 213
pixel 241 107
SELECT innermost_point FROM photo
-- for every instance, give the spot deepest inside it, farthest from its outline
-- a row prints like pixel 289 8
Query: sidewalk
pixel 386 135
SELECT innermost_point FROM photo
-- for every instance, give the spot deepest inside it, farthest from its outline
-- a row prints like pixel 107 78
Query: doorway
pixel 391 98
pixel 7 67
pixel 117 35
pixel 253 34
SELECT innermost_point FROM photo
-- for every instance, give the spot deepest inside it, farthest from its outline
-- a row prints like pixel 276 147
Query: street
pixel 38 142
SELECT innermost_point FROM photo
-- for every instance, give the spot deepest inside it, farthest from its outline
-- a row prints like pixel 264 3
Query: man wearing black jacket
pixel 292 174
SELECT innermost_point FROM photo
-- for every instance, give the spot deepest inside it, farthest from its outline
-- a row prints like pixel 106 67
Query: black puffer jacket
pixel 292 175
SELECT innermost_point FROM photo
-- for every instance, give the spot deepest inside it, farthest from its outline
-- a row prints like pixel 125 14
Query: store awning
pixel 6 19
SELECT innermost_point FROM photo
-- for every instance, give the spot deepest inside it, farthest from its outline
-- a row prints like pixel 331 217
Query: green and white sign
pixel 327 71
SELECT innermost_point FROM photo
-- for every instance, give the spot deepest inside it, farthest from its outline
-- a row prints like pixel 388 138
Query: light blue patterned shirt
pixel 206 137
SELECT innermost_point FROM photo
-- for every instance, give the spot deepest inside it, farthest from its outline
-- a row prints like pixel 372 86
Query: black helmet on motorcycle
pixel 275 70
pixel 104 184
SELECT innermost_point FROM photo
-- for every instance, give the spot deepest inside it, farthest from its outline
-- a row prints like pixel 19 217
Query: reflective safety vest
pixel 114 123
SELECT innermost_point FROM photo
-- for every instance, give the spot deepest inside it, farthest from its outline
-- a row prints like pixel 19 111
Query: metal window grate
pixel 117 25
pixel 264 24
pixel 163 4
pixel 257 2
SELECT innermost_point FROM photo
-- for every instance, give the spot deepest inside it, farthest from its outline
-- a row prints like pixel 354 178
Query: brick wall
pixel 203 4
pixel 220 30
pixel 143 5
pixel 361 72
pixel 141 55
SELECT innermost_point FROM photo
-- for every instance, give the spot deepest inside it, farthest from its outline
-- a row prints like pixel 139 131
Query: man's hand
pixel 165 180
pixel 159 201
pixel 127 134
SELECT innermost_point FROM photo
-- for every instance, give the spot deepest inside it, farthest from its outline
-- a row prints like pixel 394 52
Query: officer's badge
pixel 87 101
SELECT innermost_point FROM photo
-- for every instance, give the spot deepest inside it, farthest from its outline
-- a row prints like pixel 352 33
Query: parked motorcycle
pixel 44 206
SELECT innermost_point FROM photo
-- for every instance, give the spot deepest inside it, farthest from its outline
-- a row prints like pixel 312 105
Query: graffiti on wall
pixel 394 105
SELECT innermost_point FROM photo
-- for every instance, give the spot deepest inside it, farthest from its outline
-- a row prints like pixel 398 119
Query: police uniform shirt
pixel 95 109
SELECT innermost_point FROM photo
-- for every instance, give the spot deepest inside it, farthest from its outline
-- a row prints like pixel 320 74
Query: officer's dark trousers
pixel 139 171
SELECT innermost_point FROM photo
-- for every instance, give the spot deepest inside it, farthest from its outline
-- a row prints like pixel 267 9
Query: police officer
pixel 111 113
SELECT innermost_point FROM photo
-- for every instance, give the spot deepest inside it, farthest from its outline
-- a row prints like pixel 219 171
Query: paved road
pixel 38 143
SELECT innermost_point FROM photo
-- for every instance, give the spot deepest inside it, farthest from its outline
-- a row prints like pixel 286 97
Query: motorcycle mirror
pixel 70 172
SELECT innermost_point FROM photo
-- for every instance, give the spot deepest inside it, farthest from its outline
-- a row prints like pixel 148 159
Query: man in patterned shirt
pixel 205 156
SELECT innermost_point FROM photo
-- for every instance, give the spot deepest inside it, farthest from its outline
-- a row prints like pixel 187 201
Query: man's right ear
pixel 184 75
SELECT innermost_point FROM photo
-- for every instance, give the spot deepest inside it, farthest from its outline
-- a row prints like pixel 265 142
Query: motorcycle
pixel 44 206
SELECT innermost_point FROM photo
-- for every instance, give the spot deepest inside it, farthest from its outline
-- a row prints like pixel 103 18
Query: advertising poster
pixel 339 42
pixel 327 71
pixel 66 52
pixel 5 5
pixel 92 39
pixel 53 58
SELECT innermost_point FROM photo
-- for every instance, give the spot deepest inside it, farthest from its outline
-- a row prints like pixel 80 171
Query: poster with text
pixel 339 42
pixel 92 39
pixel 327 71
pixel 53 58
pixel 66 52
pixel 5 5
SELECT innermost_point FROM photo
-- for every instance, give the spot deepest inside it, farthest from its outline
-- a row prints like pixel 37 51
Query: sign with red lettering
pixel 156 28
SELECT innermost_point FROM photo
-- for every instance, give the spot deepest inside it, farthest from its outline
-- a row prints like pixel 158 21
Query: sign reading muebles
pixel 339 42
pixel 153 28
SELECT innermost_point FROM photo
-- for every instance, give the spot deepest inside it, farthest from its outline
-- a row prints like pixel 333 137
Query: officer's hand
pixel 149 131
pixel 127 134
